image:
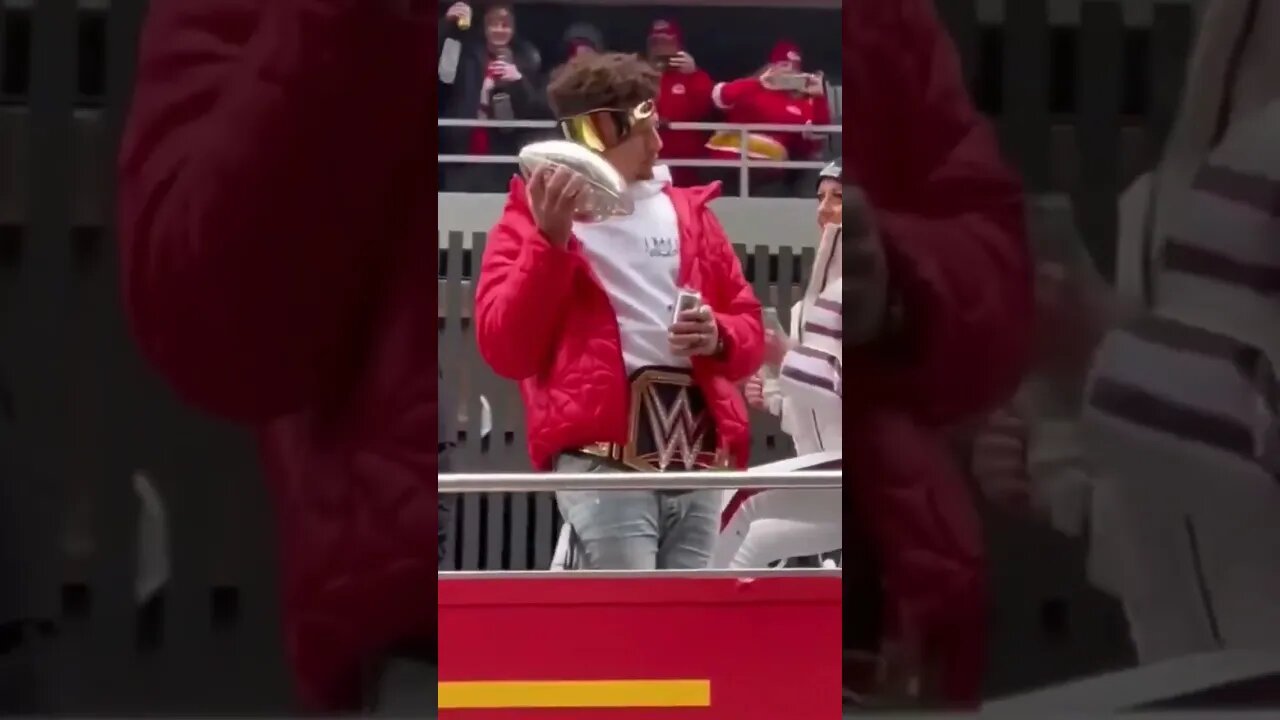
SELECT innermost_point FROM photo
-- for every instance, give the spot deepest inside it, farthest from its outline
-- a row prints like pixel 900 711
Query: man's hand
pixel 776 347
pixel 816 85
pixel 999 461
pixel 1070 322
pixel 683 62
pixel 458 11
pixel 769 77
pixel 694 333
pixel 553 195
pixel 753 391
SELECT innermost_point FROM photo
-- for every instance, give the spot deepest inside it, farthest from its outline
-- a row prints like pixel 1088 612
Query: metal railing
pixel 743 163
pixel 542 482
pixel 456 483
pixel 708 574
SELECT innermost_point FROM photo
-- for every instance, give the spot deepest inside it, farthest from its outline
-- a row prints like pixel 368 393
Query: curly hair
pixel 604 80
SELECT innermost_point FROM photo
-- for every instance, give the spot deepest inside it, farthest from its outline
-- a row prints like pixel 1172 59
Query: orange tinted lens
pixel 583 130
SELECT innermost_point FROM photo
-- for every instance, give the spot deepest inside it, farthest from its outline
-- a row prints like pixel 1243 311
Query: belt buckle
pixel 677 431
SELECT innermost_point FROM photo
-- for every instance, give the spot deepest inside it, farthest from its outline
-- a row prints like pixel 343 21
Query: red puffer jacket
pixel 951 216
pixel 275 223
pixel 542 318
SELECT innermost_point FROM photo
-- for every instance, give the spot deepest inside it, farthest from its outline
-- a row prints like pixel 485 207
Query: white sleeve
pixel 811 372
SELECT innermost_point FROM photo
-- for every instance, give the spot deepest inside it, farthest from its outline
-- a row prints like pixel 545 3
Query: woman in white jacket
pixel 1181 404
pixel 1179 430
pixel 759 528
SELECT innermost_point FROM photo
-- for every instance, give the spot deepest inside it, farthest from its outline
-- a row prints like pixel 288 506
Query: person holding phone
pixel 615 376
pixel 683 96
pixel 497 76
pixel 780 93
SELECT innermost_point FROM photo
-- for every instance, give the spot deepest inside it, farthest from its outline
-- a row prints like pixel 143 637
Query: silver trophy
pixel 605 196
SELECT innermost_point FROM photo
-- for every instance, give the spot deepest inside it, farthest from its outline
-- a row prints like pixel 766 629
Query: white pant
pixel 1193 545
pixel 1199 579
pixel 773 525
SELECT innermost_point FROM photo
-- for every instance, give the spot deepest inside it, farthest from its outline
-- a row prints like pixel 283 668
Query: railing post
pixel 744 173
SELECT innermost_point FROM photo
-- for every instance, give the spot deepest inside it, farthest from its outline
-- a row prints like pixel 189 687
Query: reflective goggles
pixel 586 129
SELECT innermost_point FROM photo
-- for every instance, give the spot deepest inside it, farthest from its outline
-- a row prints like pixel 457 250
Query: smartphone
pixel 501 107
pixel 685 300
pixel 791 82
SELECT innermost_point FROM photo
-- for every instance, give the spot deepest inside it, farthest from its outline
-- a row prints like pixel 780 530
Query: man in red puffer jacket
pixel 950 220
pixel 274 201
pixel 615 375
pixel 275 236
pixel 685 96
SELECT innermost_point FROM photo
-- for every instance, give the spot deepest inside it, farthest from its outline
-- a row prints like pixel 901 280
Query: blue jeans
pixel 637 529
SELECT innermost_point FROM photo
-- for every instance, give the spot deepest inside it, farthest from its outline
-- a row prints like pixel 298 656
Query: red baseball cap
pixel 786 51
pixel 666 28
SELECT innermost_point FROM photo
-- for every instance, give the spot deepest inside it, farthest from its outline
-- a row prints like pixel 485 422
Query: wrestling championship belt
pixel 670 427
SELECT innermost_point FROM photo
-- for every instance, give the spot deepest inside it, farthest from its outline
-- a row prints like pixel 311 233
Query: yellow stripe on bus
pixel 575 694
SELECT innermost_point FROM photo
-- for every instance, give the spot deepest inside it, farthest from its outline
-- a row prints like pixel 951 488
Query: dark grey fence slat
pixel 3 56
pixel 50 421
pixel 1170 48
pixel 760 278
pixel 41 357
pixel 546 524
pixel 1100 93
pixel 961 19
pixel 786 293
pixel 1026 99
pixel 36 476
pixel 518 538
pixel 110 501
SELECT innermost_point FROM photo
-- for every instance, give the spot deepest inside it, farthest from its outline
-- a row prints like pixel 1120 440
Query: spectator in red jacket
pixel 582 315
pixel 684 96
pixel 951 222
pixel 278 278
pixel 769 98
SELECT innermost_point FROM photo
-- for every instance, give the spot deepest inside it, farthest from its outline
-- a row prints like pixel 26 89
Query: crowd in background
pixel 488 70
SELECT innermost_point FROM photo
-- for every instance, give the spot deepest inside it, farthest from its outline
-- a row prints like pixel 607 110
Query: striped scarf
pixel 811 372
pixel 1195 376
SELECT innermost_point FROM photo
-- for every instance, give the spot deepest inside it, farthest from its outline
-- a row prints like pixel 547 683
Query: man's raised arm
pixel 952 220
pixel 270 148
